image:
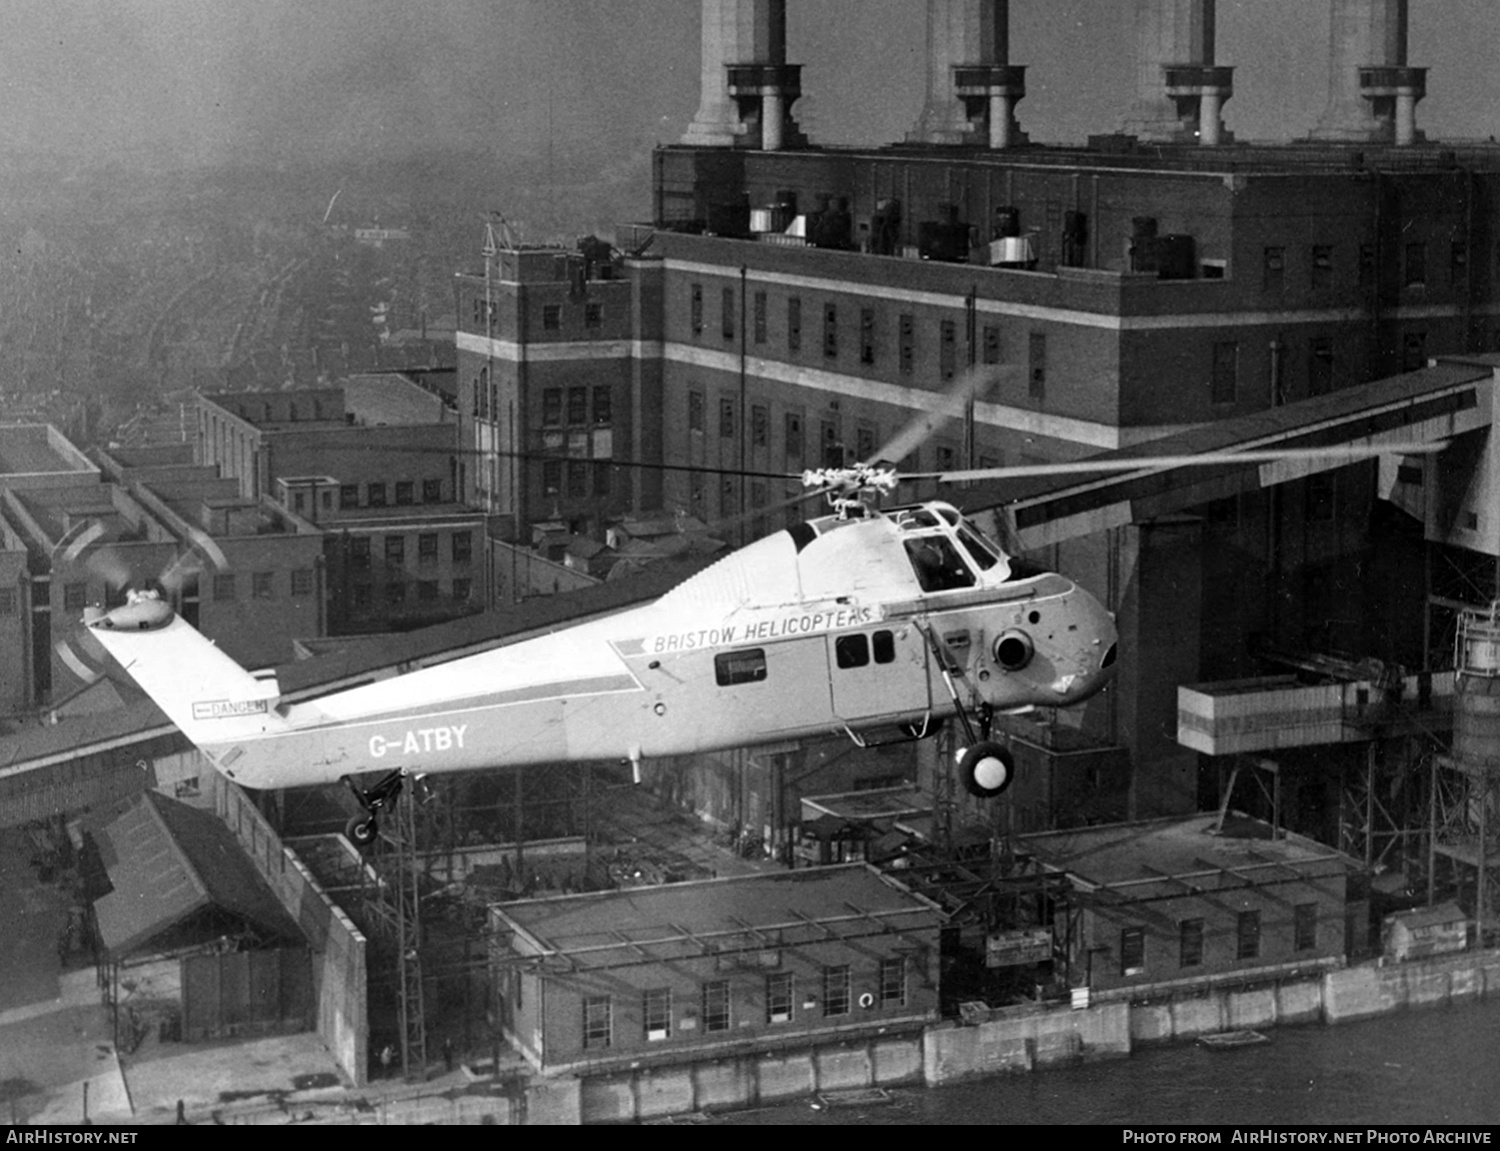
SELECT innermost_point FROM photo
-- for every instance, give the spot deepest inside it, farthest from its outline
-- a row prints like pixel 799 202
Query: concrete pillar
pixel 1372 93
pixel 972 88
pixel 747 85
pixel 1180 91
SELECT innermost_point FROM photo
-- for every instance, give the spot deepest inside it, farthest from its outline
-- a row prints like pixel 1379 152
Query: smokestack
pixel 748 87
pixel 1372 94
pixel 972 87
pixel 1180 92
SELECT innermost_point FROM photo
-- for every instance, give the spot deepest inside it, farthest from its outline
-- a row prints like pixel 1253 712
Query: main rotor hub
pixel 849 488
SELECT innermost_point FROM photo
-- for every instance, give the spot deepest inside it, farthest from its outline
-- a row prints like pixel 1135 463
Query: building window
pixel 1414 352
pixel 1305 927
pixel 8 601
pixel 726 419
pixel 578 406
pixel 593 314
pixel 1416 265
pixel 359 553
pixel 779 1006
pixel 1274 278
pixel 1190 943
pixel 427 548
pixel 1133 951
pixel 1247 935
pixel 794 324
pixel 1322 265
pixel 552 477
pixel 75 596
pixel 695 309
pixel 596 1021
pixel 1366 265
pixel 727 317
pixel 830 331
pixel 760 318
pixel 695 412
pixel 224 587
pixel 601 478
pixel 851 651
pixel 716 1005
pixel 794 446
pixel 736 667
pixel 656 1012
pixel 395 594
pixel 867 336
pixel 604 404
pixel 1320 366
pixel 261 584
pixel 363 595
pixel 375 495
pixel 991 344
pixel 579 472
pixel 1224 387
pixel 463 547
pixel 406 493
pixel 463 590
pixel 893 982
pixel 836 990
pixel 1037 377
pixel 1321 493
pixel 551 407
pixel 552 317
pixel 864 444
pixel 1459 265
pixel 395 550
pixel 348 495
pixel 907 351
pixel 947 349
pixel 760 426
pixel 427 590
pixel 302 582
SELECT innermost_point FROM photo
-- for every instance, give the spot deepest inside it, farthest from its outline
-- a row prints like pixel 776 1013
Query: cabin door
pixel 879 674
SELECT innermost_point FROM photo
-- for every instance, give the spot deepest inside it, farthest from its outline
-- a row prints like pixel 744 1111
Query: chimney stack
pixel 972 88
pixel 1372 94
pixel 748 87
pixel 1180 92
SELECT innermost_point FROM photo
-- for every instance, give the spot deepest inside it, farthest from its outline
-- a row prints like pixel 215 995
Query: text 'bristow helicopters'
pixel 863 619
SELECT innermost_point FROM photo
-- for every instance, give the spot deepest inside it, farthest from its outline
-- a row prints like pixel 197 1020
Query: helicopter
pixel 868 622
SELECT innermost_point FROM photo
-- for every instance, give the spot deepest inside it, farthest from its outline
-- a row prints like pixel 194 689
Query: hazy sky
pixel 208 80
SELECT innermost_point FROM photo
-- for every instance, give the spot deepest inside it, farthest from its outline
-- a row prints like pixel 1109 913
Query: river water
pixel 1431 1066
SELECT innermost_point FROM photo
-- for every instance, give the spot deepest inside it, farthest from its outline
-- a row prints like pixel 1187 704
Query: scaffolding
pixel 393 907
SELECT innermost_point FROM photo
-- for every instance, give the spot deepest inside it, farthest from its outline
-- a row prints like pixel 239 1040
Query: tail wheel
pixel 361 830
pixel 986 769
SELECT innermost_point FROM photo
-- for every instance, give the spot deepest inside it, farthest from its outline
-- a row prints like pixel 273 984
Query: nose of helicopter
pixel 1098 652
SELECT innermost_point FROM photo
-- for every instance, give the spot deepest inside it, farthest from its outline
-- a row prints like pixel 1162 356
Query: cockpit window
pixel 978 547
pixel 937 563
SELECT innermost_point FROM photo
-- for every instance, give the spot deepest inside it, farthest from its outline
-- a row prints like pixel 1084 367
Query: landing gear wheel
pixel 362 830
pixel 986 769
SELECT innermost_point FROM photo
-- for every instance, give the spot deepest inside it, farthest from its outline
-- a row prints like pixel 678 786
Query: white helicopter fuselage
pixel 838 626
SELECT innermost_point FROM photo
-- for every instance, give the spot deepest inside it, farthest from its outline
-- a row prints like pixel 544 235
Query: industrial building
pixel 692 971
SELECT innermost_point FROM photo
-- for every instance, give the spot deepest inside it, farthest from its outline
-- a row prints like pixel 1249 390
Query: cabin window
pixel 981 552
pixel 851 651
pixel 885 647
pixel 737 667
pixel 937 564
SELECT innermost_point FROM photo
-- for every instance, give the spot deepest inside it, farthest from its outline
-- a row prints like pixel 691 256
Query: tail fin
pixel 211 698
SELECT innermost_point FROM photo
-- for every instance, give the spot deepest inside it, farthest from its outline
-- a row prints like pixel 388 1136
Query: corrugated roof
pixel 681 920
pixel 167 862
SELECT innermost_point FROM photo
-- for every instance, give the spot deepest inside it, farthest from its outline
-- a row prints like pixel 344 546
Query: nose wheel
pixel 363 828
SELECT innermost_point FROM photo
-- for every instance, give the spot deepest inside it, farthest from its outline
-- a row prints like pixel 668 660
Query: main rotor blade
pixel 1346 452
pixel 969 385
